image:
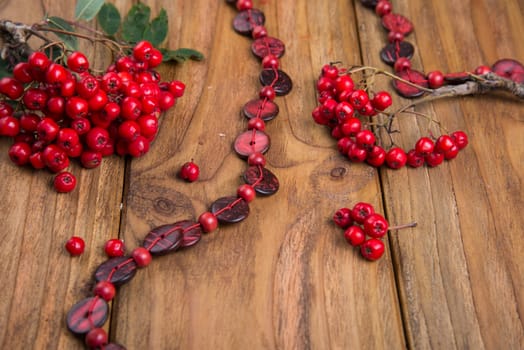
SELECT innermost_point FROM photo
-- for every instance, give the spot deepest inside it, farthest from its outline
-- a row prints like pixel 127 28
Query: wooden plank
pixel 283 278
pixel 460 273
pixel 40 280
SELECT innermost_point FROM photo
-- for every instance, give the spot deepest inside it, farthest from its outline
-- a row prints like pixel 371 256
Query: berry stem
pixel 400 227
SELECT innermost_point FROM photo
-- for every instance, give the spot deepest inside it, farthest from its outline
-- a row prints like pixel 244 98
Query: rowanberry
pixel 19 153
pixel 375 225
pixel 9 126
pixel 77 62
pixel 75 246
pixel 114 247
pixel 64 182
pixel 424 146
pixel 372 249
pixel 189 171
pixel 354 235
pixel 381 100
pixel 361 211
pixel 342 218
pixel 396 158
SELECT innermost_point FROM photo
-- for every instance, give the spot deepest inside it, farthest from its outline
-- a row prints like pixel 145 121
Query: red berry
pixel 87 87
pixel 189 171
pixel 55 74
pixel 444 143
pixel 97 138
pixel 47 129
pixel 434 158
pixel 76 107
pixel 415 159
pixel 376 156
pixel 451 153
pixel 22 72
pixel 114 248
pixel 105 290
pixel 148 125
pixel 354 235
pixel 131 108
pixel 375 225
pixel 39 61
pixel 64 182
pixel 55 158
pixel 138 147
pixel 361 211
pixel 365 139
pixel 141 256
pixel 372 249
pixel 75 246
pixel 344 111
pixel 208 221
pixel 77 62
pixel 19 153
pixel 396 158
pixel 359 98
pixel 177 88
pixel 129 130
pixel 351 127
pixel 35 99
pixel 424 146
pixel 342 218
pixel 142 51
pixel 381 100
pixel 460 139
pixel 9 126
pixel 330 71
pixel 155 58
pixel 357 153
pixel 90 159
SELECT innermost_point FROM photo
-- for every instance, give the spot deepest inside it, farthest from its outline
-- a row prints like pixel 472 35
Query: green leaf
pixel 181 55
pixel 109 18
pixel 156 31
pixel 61 24
pixel 87 9
pixel 135 23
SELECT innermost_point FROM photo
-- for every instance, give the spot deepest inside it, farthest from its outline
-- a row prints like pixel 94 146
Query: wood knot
pixel 338 172
pixel 164 206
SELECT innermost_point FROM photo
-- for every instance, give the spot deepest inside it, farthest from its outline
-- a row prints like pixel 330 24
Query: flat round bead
pixel 245 21
pixel 88 313
pixel 267 45
pixel 282 84
pixel 390 53
pixel 251 141
pixel 265 109
pixel 268 185
pixel 164 239
pixel 397 23
pixel 238 212
pixel 118 270
pixel 192 236
pixel 413 76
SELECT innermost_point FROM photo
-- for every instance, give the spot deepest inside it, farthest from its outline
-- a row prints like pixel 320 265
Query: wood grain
pixel 284 278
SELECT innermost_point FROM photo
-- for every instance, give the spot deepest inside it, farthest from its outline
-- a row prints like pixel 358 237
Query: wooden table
pixel 285 278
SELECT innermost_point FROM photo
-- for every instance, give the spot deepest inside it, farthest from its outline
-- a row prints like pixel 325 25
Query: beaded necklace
pixel 86 317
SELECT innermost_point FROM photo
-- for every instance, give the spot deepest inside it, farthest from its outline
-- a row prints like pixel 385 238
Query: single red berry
pixel 451 153
pixel 141 256
pixel 90 159
pixel 68 87
pixel 361 211
pixel 434 158
pixel 359 98
pixel 444 143
pixel 55 158
pixel 381 100
pixel 351 127
pixel 81 125
pixel 155 58
pixel 330 71
pixel 396 158
pixel 424 146
pixel 372 249
pixel 365 139
pixel 19 153
pixel 367 110
pixel 37 161
pixel 189 171
pixel 177 88
pixel 105 290
pixel 39 61
pixel 76 107
pixel 357 153
pixel 114 248
pixel 343 144
pixel 325 84
pixel 67 138
pixel 142 51
pixel 138 147
pixel 166 100
pixel 344 83
pixel 131 108
pixel 208 221
pixel 96 338
pixel 376 156
pixel 354 235
pixel 64 182
pixel 148 124
pixel 47 129
pixel 460 139
pixel 75 246
pixel 9 126
pixel 55 74
pixel 11 88
pixel 35 99
pixel 375 225
pixel 22 72
pixel 97 138
pixel 77 62
pixel 129 130
pixel 87 87
pixel 342 218
pixel 415 159
pixel 435 79
pixel 344 111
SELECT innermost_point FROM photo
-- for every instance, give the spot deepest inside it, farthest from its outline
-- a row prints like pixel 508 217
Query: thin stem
pixel 400 227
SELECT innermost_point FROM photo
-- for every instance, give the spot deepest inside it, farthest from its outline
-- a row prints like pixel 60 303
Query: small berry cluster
pixel 364 228
pixel 56 112
pixel 398 53
pixel 340 106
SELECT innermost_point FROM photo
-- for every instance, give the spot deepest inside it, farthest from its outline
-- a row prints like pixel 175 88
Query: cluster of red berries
pixel 341 108
pixel 56 112
pixel 363 229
